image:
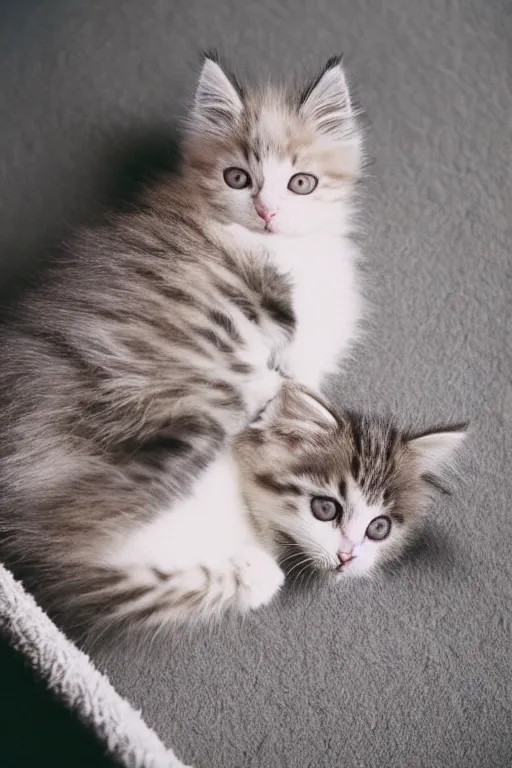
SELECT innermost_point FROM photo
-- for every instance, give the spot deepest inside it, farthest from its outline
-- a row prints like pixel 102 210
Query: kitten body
pixel 131 367
pixel 194 561
pixel 132 490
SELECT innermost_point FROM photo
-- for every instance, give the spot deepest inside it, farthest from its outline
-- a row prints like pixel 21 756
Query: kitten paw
pixel 259 578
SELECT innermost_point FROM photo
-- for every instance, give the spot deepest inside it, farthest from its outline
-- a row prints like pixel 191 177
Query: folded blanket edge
pixel 71 675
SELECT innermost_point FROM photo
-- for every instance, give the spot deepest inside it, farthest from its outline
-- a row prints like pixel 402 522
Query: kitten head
pixel 273 160
pixel 349 490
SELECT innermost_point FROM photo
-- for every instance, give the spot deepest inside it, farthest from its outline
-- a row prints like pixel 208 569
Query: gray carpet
pixel 414 670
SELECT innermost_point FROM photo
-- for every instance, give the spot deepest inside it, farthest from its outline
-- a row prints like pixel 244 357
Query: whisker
pixel 305 562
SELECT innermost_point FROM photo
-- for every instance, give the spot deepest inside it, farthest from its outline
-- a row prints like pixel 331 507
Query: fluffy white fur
pixel 206 546
pixel 175 325
pixel 327 301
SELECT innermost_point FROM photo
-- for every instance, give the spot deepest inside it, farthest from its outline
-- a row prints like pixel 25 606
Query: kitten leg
pixel 305 362
pixel 263 381
pixel 154 597
pixel 249 580
pixel 305 370
pixel 258 576
pixel 328 309
pixel 310 375
pixel 193 561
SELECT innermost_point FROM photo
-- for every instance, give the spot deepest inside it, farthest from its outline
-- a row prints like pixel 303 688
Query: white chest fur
pixel 326 297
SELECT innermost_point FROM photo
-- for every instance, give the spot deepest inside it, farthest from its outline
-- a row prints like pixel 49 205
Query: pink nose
pixel 263 212
pixel 344 557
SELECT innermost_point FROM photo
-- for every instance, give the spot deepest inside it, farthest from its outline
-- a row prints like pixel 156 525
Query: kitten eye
pixel 325 509
pixel 236 178
pixel 379 528
pixel 302 183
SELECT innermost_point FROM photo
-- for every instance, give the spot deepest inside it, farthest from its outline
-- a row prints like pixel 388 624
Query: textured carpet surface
pixel 416 669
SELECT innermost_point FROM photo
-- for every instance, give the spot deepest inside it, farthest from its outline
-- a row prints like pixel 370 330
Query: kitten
pixel 349 491
pixel 159 336
pixel 279 168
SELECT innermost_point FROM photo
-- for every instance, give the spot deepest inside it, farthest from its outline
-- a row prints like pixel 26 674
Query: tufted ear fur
pixel 436 449
pixel 217 103
pixel 296 413
pixel 326 102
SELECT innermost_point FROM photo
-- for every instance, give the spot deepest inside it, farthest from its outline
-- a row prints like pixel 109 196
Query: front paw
pixel 259 578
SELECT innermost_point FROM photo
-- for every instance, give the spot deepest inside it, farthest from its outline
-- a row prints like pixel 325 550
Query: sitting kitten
pixel 279 168
pixel 349 491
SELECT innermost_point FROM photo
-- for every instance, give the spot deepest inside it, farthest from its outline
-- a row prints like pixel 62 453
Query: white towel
pixel 71 675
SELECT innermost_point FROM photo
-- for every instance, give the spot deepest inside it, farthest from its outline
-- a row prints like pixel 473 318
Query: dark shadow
pixel 37 730
pixel 432 548
pixel 137 162
pixel 134 163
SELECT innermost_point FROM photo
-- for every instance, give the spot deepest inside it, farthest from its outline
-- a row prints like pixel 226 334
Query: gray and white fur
pixel 128 371
pixel 158 336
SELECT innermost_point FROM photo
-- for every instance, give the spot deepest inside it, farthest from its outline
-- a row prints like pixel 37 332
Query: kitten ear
pixel 217 102
pixel 436 449
pixel 326 102
pixel 309 407
pixel 296 413
pixel 267 417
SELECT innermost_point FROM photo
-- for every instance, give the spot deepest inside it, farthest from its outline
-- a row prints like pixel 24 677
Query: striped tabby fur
pixel 128 370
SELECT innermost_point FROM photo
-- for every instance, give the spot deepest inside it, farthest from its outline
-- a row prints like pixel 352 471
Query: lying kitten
pixel 349 491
